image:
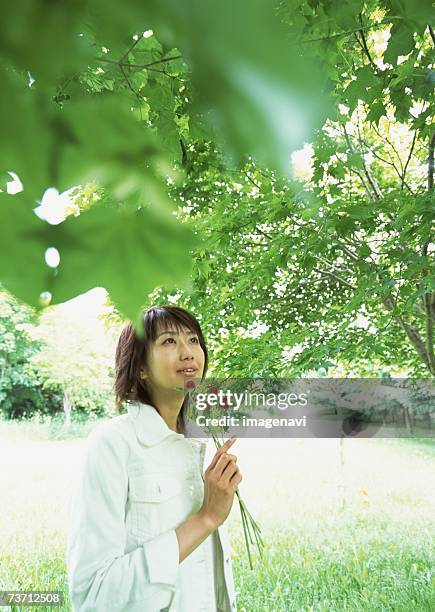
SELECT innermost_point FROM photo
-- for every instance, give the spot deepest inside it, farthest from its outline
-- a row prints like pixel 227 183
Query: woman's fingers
pixel 236 479
pixel 229 472
pixel 223 449
pixel 222 463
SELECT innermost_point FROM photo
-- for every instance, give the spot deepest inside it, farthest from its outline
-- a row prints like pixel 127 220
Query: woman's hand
pixel 221 480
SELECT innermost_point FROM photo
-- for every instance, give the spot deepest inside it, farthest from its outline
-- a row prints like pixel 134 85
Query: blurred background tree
pixel 20 388
pixel 76 357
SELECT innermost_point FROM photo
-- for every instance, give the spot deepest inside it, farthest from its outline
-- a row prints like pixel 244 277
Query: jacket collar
pixel 151 428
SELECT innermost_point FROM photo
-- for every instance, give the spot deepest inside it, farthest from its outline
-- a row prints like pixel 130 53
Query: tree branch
pixel 413 334
pixel 184 156
pixel 428 298
pixel 127 80
pixel 365 47
pixel 351 147
pixel 385 137
pixel 364 184
pixel 371 179
pixel 388 162
pixel 430 170
pixel 337 278
pixel 331 263
pixel 257 244
pixel 251 180
pixel 130 49
pixel 265 234
pixel 373 26
pixel 349 252
pixel 128 65
pixel 408 160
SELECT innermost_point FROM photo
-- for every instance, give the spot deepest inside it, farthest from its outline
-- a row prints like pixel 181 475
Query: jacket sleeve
pixel 101 575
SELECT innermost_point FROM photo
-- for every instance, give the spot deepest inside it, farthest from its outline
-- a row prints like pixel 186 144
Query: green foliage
pixel 96 98
pixel 102 247
pixel 76 121
pixel 333 279
pixel 50 362
pixel 20 386
pixel 74 362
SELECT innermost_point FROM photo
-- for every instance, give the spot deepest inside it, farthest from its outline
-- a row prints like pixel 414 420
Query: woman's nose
pixel 186 349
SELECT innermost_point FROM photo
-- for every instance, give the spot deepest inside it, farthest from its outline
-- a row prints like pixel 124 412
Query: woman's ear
pixel 143 375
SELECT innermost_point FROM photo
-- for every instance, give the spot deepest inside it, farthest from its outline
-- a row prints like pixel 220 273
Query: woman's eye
pixel 195 339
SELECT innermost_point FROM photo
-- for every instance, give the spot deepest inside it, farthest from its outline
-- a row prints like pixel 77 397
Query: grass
pixel 340 566
pixel 46 427
pixel 345 529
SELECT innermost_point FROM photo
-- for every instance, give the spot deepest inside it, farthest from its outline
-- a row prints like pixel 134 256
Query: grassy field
pixel 347 527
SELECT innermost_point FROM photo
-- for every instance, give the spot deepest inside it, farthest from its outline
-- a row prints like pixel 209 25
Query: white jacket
pixel 141 480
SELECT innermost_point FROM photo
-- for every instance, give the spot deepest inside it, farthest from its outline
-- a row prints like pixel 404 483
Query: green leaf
pixel 168 135
pixel 345 13
pixel 401 42
pixel 355 160
pixel 387 285
pixel 148 48
pixel 415 12
pixel 360 211
pixel 377 110
pixel 338 171
pixel 345 226
pixel 126 250
pixel 364 251
pixel 354 91
pixel 324 151
pixel 44 41
pixel 366 77
pixel 309 262
pixel 25 134
pixel 243 77
pixel 24 238
pixel 119 156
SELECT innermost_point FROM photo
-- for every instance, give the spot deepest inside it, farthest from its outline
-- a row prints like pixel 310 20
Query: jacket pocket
pixel 156 504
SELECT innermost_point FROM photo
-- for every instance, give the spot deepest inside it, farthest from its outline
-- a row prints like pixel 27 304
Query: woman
pixel 146 530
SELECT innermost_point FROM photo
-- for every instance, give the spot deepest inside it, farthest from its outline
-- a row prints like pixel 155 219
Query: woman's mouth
pixel 188 371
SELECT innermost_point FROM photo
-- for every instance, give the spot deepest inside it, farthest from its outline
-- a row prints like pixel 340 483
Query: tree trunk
pixel 431 156
pixel 407 420
pixel 342 483
pixel 67 407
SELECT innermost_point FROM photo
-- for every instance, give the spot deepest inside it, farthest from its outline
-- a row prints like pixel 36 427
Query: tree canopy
pixel 183 119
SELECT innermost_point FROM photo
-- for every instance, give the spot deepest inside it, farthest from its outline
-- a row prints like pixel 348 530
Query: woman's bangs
pixel 160 319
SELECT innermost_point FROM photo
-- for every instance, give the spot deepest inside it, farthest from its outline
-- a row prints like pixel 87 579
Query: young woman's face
pixel 171 352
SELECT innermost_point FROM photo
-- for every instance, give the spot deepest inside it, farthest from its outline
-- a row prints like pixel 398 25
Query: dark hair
pixel 132 353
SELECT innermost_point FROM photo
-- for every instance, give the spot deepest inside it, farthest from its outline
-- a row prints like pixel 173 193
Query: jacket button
pixel 227 559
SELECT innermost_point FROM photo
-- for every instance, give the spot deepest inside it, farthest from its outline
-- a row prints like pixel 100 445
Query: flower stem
pixel 247 520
